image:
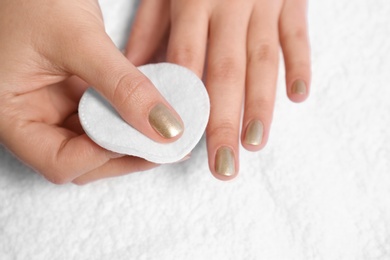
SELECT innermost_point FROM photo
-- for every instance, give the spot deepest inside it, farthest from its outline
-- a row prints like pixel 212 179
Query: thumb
pixel 97 61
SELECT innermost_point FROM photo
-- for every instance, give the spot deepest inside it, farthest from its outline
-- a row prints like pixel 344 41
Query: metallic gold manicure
pixel 164 122
pixel 299 87
pixel 224 162
pixel 254 133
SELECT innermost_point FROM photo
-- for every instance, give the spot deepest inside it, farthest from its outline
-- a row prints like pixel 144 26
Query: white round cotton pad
pixel 180 87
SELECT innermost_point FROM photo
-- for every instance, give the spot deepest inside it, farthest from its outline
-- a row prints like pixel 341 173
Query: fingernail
pixel 164 122
pixel 254 133
pixel 299 87
pixel 224 162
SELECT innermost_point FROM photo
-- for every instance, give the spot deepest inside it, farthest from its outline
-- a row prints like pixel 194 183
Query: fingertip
pixel 298 91
pixel 166 122
pixel 254 136
pixel 113 155
pixel 253 148
pixel 223 178
pixel 80 182
pixel 224 165
pixel 297 98
pixel 185 158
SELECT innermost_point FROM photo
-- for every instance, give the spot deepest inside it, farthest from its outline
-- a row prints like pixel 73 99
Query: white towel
pixel 319 190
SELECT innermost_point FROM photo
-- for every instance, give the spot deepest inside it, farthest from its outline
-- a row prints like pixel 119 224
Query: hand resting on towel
pixel 242 40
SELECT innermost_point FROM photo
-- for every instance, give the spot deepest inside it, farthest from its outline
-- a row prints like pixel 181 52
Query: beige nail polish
pixel 254 133
pixel 224 162
pixel 299 87
pixel 164 122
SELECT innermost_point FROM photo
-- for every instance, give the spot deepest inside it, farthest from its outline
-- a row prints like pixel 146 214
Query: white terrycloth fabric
pixel 180 87
pixel 319 190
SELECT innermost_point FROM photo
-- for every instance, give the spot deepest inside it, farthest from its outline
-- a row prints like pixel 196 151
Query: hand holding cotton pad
pixel 180 87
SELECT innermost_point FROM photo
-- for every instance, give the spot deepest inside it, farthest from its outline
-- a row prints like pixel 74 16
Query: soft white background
pixel 320 190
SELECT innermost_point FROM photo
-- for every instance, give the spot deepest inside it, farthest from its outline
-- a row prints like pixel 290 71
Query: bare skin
pixel 52 50
pixel 242 41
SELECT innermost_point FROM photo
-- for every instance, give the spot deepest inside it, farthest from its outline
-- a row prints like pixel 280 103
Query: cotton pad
pixel 180 87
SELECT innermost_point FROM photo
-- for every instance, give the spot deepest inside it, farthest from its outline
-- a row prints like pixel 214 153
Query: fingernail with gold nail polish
pixel 164 121
pixel 224 162
pixel 254 133
pixel 299 87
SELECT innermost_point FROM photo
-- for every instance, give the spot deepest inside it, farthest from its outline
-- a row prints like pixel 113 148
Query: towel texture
pixel 319 190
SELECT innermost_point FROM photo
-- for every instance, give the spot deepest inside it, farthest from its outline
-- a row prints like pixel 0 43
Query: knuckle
pixel 226 68
pixel 264 105
pixel 182 55
pixel 264 53
pixel 127 90
pixel 185 56
pixel 222 131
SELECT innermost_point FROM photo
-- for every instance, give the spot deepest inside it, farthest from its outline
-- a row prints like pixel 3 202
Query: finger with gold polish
pixel 224 162
pixel 164 122
pixel 254 133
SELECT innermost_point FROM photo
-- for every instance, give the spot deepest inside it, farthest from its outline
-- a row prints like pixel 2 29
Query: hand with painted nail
pixel 242 40
pixel 50 53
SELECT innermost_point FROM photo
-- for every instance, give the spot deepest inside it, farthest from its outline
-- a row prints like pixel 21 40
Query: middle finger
pixel 225 81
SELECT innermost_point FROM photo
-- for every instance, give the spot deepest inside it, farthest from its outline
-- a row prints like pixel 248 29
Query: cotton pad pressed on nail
pixel 180 87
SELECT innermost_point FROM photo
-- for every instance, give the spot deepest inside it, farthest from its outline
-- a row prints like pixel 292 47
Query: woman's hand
pixel 50 52
pixel 239 43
